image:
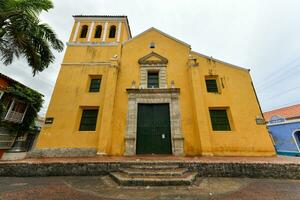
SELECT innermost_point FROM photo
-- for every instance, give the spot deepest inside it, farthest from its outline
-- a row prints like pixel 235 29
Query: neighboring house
pixel 284 126
pixel 13 111
pixel 149 94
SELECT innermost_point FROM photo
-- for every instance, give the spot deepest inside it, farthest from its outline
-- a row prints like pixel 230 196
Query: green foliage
pixel 35 101
pixel 22 34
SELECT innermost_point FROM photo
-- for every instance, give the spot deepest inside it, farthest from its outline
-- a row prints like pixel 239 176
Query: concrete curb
pixel 251 170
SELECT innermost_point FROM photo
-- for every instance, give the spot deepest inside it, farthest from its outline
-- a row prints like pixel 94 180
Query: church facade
pixel 149 94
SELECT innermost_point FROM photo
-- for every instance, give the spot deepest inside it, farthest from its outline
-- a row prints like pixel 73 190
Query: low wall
pixel 252 170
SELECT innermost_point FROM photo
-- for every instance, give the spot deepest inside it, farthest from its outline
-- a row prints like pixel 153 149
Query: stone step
pixel 156 172
pixel 126 180
pixel 154 166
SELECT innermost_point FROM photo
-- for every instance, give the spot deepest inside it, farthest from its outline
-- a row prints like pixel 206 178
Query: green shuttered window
pixel 153 80
pixel 95 85
pixel 88 120
pixel 211 85
pixel 219 120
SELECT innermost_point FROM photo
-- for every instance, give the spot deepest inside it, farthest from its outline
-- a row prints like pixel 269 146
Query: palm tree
pixel 22 33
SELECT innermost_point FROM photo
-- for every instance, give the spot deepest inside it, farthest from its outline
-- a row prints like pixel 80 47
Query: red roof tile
pixel 286 112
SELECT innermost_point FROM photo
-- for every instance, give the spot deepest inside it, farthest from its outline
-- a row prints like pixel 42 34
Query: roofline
pixel 220 61
pixel 163 33
pixel 276 109
pixel 287 121
pixel 107 17
pixel 13 80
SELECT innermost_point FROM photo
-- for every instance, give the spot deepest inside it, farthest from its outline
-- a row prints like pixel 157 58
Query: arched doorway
pixel 297 139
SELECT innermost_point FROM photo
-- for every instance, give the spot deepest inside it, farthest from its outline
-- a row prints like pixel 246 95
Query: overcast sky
pixel 262 35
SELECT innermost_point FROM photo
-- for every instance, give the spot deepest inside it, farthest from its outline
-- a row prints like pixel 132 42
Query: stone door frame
pixel 154 96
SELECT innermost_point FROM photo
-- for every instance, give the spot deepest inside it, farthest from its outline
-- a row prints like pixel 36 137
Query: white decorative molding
pixel 119 31
pixel 107 63
pixel 220 61
pixel 295 140
pixel 162 74
pixel 102 19
pixel 1 94
pixel 159 64
pixel 154 96
pixel 95 44
pixel 105 31
pixel 76 32
pixel 285 122
pixel 91 31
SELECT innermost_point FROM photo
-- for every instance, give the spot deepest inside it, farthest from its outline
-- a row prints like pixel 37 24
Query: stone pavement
pixel 103 188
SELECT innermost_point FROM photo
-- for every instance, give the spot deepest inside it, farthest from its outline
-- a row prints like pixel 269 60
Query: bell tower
pixel 96 38
pixel 100 30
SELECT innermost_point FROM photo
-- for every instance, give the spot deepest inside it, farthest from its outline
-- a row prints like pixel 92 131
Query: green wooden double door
pixel 153 129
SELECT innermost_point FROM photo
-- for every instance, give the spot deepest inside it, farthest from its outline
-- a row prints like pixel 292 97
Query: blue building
pixel 284 127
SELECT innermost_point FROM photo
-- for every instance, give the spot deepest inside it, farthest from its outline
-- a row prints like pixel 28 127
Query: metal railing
pixel 14 116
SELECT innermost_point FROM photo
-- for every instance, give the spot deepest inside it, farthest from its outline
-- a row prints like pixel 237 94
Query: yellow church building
pixel 149 94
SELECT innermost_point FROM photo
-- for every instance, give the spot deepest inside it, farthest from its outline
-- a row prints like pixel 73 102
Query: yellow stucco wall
pixel 81 62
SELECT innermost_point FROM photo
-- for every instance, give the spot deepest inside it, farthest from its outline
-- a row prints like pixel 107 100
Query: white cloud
pixel 261 35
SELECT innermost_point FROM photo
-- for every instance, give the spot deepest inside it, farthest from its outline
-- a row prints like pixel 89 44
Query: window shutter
pixel 153 80
pixel 88 120
pixel 219 120
pixel 95 85
pixel 211 85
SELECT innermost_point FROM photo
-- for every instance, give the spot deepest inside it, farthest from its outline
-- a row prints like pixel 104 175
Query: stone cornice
pixel 152 90
pixel 144 60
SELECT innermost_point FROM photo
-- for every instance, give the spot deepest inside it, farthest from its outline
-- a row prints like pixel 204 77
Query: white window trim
pixel 294 137
pixel 162 75
pixel 1 94
pixel 10 109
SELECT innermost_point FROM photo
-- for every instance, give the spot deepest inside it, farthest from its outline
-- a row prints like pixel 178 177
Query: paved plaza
pixel 104 188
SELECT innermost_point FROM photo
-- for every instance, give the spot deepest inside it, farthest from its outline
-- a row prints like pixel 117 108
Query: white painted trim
pixel 285 122
pixel 100 18
pixel 10 108
pixel 104 19
pixel 219 61
pixel 104 32
pixel 91 31
pixel 24 112
pixel 1 94
pixel 164 34
pixel 76 32
pixel 289 151
pixel 119 31
pixel 293 134
pixel 92 44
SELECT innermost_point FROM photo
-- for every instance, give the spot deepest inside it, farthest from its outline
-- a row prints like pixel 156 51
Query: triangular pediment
pixel 153 58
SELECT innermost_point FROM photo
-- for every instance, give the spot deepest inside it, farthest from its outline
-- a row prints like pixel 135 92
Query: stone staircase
pixel 153 174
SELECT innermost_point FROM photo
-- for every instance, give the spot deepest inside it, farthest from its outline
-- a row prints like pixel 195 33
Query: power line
pixel 281 93
pixel 275 72
pixel 283 105
pixel 275 82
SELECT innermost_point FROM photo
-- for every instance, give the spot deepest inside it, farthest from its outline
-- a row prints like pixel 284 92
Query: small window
pixel 88 120
pixel 112 31
pixel 211 85
pixel 219 120
pixel 98 31
pixel 153 80
pixel 152 45
pixel 95 85
pixel 84 31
